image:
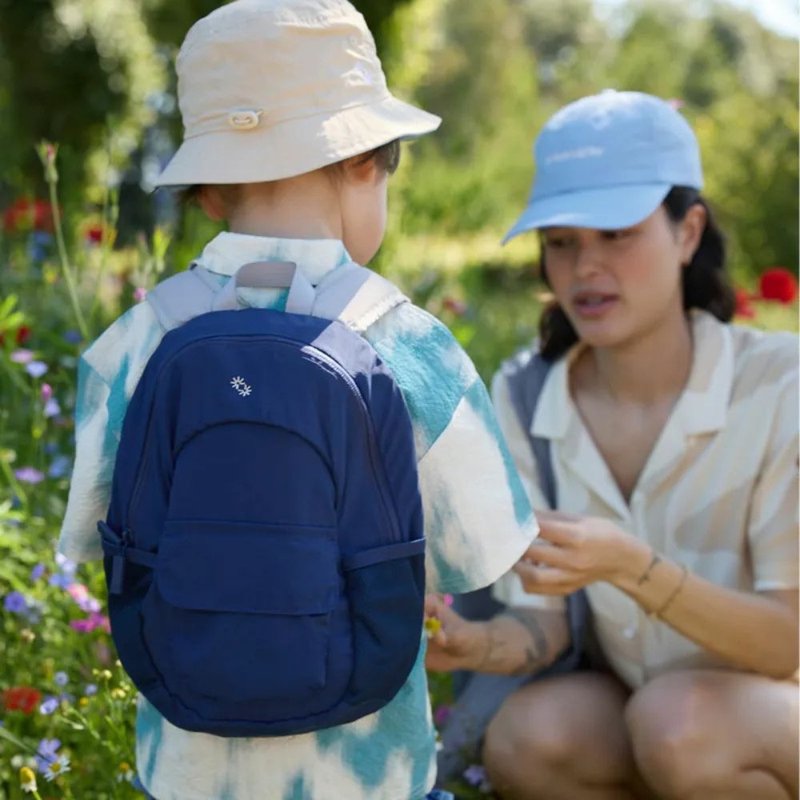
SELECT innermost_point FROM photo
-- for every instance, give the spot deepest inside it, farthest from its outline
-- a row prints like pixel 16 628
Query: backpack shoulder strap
pixel 183 296
pixel 526 374
pixel 352 294
pixel 356 296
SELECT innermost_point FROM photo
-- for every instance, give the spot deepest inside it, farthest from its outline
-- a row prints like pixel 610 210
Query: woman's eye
pixel 557 242
pixel 616 235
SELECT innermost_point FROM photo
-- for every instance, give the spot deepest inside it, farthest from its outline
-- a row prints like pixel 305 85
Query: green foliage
pixel 496 72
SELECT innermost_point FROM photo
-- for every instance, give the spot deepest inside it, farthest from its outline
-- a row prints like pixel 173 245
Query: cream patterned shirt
pixel 719 492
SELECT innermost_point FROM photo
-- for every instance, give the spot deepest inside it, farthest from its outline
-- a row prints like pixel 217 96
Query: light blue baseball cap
pixel 608 161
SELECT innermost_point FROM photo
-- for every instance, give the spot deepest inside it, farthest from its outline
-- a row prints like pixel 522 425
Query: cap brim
pixel 604 209
pixel 294 147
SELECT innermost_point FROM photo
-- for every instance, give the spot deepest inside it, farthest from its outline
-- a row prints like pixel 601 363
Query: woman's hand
pixel 572 552
pixel 455 643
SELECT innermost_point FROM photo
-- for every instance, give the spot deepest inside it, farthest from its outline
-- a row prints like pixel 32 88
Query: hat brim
pixel 294 147
pixel 603 209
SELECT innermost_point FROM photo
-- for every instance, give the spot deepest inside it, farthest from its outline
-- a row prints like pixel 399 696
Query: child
pixel 290 136
pixel 673 441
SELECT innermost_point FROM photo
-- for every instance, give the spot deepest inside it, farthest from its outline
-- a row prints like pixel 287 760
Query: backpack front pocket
pixel 238 619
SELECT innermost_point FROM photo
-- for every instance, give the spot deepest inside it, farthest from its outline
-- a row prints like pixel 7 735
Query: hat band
pixel 249 118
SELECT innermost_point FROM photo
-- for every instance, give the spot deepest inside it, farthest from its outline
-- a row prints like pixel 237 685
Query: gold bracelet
pixel 675 593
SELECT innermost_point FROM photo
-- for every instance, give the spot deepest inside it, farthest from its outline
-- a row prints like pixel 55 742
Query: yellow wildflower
pixel 27 779
pixel 432 626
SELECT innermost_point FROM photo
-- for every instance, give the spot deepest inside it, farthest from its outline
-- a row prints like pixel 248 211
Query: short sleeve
pixel 107 376
pixel 478 519
pixel 508 589
pixel 773 525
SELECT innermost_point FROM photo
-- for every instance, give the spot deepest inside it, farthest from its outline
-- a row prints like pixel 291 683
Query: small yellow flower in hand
pixel 432 626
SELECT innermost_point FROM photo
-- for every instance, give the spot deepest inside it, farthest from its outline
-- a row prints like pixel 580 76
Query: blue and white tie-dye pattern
pixel 478 523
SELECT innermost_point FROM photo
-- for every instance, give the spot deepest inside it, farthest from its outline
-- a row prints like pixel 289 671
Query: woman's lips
pixel 593 305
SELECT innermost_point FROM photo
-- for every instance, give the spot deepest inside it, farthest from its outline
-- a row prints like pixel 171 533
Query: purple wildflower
pixel 91 689
pixel 37 572
pixel 475 775
pixel 46 392
pixel 29 475
pixel 61 678
pixel 67 566
pixel 46 753
pixel 60 580
pixel 60 467
pixel 441 715
pixel 52 408
pixel 36 369
pixel 15 602
pixel 22 356
pixel 49 705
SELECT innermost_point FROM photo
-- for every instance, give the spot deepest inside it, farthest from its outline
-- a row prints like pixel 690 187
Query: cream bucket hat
pixel 269 89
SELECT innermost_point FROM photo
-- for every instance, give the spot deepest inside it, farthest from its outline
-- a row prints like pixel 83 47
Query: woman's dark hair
pixel 387 159
pixel 705 281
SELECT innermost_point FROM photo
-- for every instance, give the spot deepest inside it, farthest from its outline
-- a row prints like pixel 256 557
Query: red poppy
pixel 94 234
pixel 26 214
pixel 21 336
pixel 743 305
pixel 22 698
pixel 778 284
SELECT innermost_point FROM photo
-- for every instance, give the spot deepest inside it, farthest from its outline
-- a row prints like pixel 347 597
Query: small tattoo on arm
pixel 536 650
pixel 645 576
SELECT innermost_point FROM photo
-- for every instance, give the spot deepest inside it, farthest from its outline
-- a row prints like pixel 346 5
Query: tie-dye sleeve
pixel 478 520
pixel 91 476
pixel 107 375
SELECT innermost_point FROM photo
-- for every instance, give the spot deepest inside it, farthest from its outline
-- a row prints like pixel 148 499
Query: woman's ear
pixel 691 231
pixel 212 202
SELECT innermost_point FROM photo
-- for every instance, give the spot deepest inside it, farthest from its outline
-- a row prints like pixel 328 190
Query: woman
pixel 673 442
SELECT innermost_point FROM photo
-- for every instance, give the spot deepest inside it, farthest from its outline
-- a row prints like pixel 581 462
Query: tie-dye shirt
pixel 478 522
pixel 717 494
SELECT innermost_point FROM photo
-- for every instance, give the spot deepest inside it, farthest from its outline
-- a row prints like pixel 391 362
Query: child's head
pixel 286 112
pixel 626 237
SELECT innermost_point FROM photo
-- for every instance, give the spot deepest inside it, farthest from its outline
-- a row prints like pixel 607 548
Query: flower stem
pixel 66 269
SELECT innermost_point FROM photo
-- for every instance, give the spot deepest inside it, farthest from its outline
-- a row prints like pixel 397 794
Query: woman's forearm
pixel 521 641
pixel 756 632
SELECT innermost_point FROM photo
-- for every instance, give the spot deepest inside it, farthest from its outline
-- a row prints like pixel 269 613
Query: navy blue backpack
pixel 264 547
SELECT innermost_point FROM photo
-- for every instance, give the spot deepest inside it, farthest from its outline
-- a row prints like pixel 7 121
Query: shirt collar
pixel 702 407
pixel 226 252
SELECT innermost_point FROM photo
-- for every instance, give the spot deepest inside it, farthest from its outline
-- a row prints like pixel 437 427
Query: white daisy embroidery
pixel 241 386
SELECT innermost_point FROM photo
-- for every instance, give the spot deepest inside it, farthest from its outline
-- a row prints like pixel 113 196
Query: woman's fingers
pixel 547 580
pixel 548 555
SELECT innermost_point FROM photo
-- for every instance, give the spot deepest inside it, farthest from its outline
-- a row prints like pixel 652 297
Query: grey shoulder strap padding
pixel 183 296
pixel 526 374
pixel 356 296
pixel 350 293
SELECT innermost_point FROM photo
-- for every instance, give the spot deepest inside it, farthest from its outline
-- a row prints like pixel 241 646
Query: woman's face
pixel 617 285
